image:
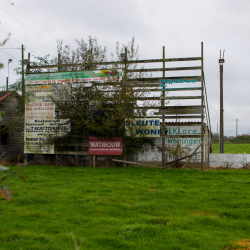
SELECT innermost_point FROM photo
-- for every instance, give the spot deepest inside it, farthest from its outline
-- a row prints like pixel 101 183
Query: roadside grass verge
pixel 233 148
pixel 126 208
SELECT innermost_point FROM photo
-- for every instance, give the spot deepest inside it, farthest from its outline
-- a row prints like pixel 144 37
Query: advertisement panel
pixel 188 145
pixel 45 93
pixel 38 110
pixel 142 127
pixel 102 146
pixel 40 123
pixel 39 134
pixel 73 77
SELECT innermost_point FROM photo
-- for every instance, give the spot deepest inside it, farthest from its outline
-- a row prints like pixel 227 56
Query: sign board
pixel 142 127
pixel 101 146
pixel 40 123
pixel 165 82
pixel 187 144
pixel 36 110
pixel 39 134
pixel 73 77
pixel 45 93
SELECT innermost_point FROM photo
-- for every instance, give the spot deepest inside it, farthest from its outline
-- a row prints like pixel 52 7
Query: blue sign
pixel 165 82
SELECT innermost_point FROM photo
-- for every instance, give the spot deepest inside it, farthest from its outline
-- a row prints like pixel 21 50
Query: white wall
pixel 229 160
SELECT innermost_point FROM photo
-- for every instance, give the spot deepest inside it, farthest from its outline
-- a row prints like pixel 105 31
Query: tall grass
pixel 126 208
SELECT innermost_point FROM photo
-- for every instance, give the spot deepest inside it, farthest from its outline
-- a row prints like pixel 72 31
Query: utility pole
pixel 236 127
pixel 221 61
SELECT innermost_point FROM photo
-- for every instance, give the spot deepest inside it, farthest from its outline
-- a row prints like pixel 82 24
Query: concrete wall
pixel 229 160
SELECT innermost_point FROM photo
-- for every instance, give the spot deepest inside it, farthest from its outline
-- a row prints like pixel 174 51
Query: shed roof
pixel 5 94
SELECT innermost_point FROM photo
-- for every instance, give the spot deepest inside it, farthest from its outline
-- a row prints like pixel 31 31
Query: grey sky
pixel 179 25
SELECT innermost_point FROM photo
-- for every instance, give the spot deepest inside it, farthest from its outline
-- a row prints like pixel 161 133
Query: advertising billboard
pixel 105 146
pixel 73 77
pixel 46 93
pixel 142 127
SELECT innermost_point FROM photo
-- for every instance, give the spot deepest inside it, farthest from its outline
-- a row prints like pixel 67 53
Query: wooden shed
pixel 11 126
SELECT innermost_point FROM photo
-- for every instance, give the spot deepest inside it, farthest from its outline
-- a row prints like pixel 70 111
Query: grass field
pixel 233 148
pixel 127 208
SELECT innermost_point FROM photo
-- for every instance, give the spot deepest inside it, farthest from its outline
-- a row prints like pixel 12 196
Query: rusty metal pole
pixel 221 61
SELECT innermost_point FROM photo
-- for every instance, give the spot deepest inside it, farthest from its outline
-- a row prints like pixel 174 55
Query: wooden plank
pixel 165 69
pixel 148 107
pixel 73 144
pixel 171 110
pixel 184 117
pixel 174 124
pixel 136 163
pixel 162 98
pixel 194 154
pixel 165 89
pixel 71 152
pixel 182 158
pixel 157 79
pixel 181 136
pixel 180 97
pixel 115 62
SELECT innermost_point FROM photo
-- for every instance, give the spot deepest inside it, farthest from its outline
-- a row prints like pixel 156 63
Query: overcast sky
pixel 179 25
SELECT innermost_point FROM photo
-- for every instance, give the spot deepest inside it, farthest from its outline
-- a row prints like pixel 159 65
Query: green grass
pixel 126 208
pixel 233 148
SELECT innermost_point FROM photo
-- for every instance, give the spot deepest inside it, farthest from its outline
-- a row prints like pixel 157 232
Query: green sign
pixel 73 77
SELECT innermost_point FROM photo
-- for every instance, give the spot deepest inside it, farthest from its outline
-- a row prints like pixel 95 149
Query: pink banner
pixel 109 146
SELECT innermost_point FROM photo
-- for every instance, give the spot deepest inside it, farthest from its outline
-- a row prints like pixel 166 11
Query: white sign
pixel 36 110
pixel 39 134
pixel 188 145
pixel 45 93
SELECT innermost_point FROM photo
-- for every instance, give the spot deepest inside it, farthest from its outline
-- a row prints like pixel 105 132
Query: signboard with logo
pixel 45 93
pixel 165 82
pixel 37 110
pixel 108 146
pixel 188 145
pixel 39 134
pixel 143 127
pixel 73 77
pixel 40 123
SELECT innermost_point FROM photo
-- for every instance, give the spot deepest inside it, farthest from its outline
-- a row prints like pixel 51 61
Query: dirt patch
pixel 221 167
pixel 240 245
pixel 211 215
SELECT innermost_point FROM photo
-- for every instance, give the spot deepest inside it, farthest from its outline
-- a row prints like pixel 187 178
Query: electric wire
pixel 17 41
pixel 28 28
pixel 33 20
pixel 9 72
pixel 10 55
